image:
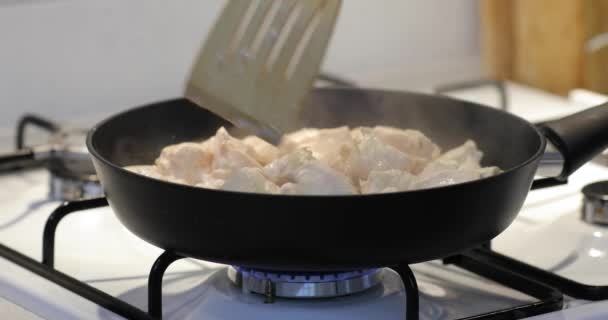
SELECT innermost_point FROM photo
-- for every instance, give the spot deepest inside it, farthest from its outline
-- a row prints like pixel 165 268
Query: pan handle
pixel 578 137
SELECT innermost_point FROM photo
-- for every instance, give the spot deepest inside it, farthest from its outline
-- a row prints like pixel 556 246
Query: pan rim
pixel 539 152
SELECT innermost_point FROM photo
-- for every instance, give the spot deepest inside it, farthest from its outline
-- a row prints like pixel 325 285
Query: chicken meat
pixel 310 161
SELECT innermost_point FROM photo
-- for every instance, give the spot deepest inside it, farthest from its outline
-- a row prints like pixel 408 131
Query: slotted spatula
pixel 260 60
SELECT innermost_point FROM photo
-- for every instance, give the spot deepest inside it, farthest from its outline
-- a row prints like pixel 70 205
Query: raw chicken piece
pixel 264 152
pixel 438 165
pixel 297 139
pixel 360 133
pixel 387 181
pixel 230 153
pixel 316 178
pixel 152 172
pixel 213 180
pixel 208 182
pixel 445 173
pixel 146 170
pixel 289 188
pixel 222 137
pixel 221 174
pixel 229 158
pixel 467 155
pixel 489 171
pixel 176 180
pixel 249 180
pixel 457 165
pixel 412 142
pixel 333 147
pixel 376 155
pixel 185 161
pixel 191 162
pixel 390 189
pixel 419 149
pixel 285 168
pixel 300 173
pixel 345 160
pixel 211 143
pixel 312 137
pixel 445 178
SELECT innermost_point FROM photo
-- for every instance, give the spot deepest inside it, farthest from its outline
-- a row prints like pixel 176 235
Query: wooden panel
pixel 596 63
pixel 549 41
pixel 497 37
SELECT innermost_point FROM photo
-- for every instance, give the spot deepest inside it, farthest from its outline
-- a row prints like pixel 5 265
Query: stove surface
pixel 549 233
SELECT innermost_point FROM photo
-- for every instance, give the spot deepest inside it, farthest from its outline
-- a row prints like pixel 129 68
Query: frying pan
pixel 325 233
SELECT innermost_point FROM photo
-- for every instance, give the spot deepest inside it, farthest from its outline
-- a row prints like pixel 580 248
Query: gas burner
pixel 72 175
pixel 304 285
pixel 62 188
pixel 595 203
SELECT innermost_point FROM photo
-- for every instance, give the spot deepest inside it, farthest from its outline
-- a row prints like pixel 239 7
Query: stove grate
pixel 482 261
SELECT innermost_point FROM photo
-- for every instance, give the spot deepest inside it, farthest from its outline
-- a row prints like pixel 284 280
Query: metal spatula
pixel 260 60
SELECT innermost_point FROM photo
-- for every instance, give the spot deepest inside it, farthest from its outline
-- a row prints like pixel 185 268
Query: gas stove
pixel 63 153
pixel 70 258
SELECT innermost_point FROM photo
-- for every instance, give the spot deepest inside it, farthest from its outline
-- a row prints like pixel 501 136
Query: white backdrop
pixel 83 59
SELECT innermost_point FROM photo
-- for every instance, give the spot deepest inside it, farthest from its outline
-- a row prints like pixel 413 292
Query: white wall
pixel 83 59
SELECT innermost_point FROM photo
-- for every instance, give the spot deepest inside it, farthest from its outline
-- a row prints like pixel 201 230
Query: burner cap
pixel 595 203
pixel 304 285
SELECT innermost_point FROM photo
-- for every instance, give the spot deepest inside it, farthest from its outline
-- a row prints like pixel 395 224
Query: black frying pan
pixel 321 233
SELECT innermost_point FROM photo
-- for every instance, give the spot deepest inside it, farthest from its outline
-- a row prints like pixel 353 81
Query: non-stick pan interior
pixel 138 136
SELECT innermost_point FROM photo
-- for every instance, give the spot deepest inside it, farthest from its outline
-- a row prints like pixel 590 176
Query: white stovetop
pixel 86 240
